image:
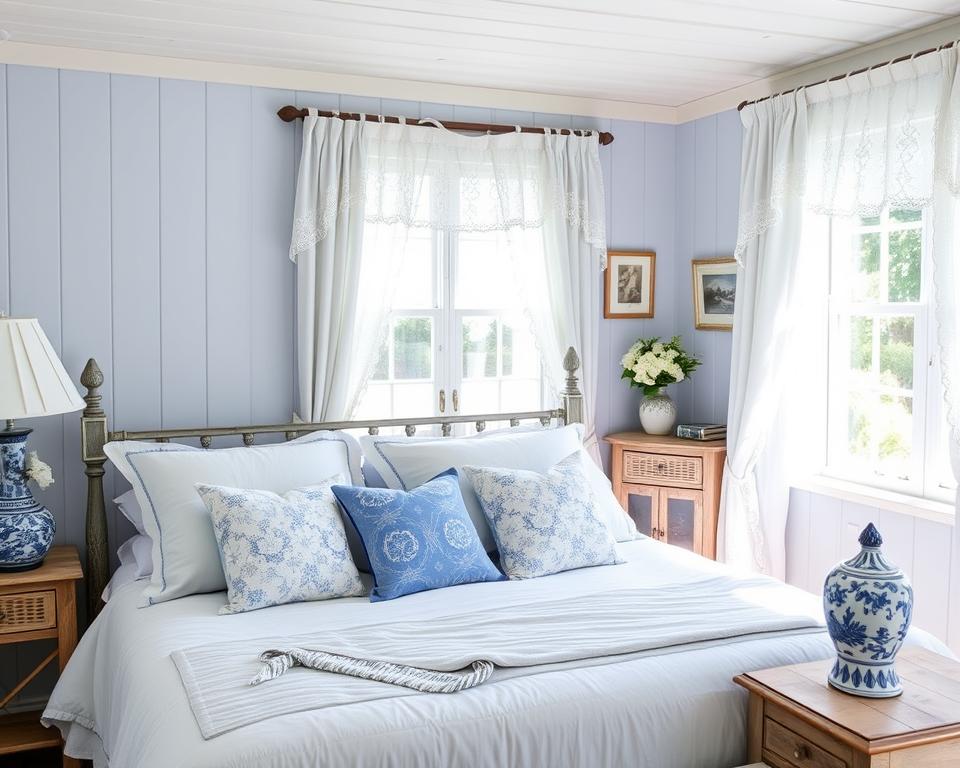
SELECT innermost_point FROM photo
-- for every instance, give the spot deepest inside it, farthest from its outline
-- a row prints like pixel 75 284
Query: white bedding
pixel 121 696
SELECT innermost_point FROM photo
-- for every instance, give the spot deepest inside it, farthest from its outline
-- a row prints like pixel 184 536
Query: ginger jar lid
pixel 870 561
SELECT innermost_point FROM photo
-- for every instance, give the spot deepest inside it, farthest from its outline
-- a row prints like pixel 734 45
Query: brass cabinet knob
pixel 801 752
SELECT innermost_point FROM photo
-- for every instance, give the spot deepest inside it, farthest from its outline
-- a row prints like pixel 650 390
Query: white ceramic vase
pixel 658 414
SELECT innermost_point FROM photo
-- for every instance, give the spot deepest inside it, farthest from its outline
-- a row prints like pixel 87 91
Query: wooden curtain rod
pixel 290 113
pixel 743 104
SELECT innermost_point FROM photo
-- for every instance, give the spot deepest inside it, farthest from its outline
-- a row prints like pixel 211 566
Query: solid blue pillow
pixel 417 540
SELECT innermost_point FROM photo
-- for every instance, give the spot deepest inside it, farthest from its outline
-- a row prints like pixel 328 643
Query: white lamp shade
pixel 33 381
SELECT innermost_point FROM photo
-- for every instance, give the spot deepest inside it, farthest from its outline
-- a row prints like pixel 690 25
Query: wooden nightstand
pixel 38 605
pixel 797 721
pixel 670 487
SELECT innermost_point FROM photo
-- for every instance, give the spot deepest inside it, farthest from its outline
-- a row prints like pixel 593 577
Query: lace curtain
pixel 363 186
pixel 423 177
pixel 879 138
pixel 753 505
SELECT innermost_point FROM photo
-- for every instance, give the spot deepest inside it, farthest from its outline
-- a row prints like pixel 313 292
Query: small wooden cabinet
pixel 38 605
pixel 796 720
pixel 670 487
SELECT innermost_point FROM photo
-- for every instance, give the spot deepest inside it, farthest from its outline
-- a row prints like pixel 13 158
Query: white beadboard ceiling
pixel 651 52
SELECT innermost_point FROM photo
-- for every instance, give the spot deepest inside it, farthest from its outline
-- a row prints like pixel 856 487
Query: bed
pixel 125 698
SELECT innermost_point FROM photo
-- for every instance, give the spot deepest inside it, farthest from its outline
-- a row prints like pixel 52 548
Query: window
pixel 458 340
pixel 885 422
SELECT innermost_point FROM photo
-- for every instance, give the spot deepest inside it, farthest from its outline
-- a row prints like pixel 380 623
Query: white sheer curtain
pixel 557 265
pixel 377 181
pixel 889 137
pixel 771 181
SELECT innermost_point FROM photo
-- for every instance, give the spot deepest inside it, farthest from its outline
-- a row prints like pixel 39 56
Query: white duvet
pixel 121 701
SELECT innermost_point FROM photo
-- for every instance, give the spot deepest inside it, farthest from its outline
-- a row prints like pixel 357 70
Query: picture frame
pixel 714 293
pixel 629 284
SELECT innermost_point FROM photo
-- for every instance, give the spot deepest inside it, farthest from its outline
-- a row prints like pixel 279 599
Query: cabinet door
pixel 642 503
pixel 681 518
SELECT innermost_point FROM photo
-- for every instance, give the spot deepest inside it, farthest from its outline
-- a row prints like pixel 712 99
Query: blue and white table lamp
pixel 33 383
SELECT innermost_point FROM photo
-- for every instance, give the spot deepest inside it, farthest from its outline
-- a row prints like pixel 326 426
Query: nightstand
pixel 670 487
pixel 796 720
pixel 38 605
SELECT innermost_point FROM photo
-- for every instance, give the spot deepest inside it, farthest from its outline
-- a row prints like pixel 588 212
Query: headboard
pixel 94 434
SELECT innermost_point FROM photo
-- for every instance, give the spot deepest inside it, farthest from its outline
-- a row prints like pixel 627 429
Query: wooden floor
pixel 38 758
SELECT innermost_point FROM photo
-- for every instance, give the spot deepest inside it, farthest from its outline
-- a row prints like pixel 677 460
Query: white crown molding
pixel 115 62
pixel 864 56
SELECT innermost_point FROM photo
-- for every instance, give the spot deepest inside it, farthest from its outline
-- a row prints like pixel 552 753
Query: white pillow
pixel 130 508
pixel 407 464
pixel 185 555
pixel 117 451
pixel 373 479
pixel 544 522
pixel 137 553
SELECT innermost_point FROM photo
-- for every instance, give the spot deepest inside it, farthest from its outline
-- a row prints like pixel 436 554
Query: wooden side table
pixel 797 721
pixel 670 487
pixel 38 605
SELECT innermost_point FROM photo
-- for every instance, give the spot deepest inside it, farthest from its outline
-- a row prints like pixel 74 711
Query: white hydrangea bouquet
pixel 652 364
pixel 38 471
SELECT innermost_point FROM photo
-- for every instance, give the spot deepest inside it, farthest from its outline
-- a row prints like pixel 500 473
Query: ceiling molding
pixel 85 59
pixel 864 56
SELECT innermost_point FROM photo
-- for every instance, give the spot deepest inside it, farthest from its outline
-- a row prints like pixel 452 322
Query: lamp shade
pixel 33 381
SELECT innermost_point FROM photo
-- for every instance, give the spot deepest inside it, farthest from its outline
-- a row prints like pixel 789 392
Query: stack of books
pixel 702 431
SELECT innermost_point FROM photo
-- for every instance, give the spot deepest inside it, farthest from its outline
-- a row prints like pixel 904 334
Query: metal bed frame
pixel 94 434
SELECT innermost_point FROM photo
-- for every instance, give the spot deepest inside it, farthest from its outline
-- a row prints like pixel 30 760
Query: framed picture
pixel 714 293
pixel 628 284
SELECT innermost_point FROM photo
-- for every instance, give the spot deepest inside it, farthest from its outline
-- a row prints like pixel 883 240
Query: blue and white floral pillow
pixel 281 549
pixel 417 540
pixel 544 523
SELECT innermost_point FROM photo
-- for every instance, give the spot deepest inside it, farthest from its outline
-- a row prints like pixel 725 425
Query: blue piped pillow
pixel 417 540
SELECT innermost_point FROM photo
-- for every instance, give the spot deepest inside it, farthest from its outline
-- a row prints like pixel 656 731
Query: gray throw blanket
pixel 517 639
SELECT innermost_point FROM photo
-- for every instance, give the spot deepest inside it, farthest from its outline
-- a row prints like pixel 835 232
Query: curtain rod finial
pixel 289 113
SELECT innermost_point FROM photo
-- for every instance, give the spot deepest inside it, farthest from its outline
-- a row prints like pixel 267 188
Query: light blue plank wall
pixel 641 188
pixel 708 177
pixel 183 251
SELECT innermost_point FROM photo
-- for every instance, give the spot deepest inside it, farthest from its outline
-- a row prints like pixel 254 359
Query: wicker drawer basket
pixel 27 611
pixel 661 469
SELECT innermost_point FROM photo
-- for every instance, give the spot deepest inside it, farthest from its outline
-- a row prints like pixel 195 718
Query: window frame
pixel 925 483
pixel 448 374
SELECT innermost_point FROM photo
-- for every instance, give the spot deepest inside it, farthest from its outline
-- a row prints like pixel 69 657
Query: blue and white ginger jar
pixel 868 604
pixel 26 527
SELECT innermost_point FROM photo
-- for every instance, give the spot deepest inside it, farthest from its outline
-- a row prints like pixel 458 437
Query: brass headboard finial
pixel 92 380
pixel 92 376
pixel 571 395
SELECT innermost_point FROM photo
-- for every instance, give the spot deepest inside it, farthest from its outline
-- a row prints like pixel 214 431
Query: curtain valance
pixel 884 137
pixel 433 178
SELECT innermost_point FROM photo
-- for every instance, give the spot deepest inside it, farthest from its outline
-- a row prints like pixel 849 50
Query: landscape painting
pixel 714 293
